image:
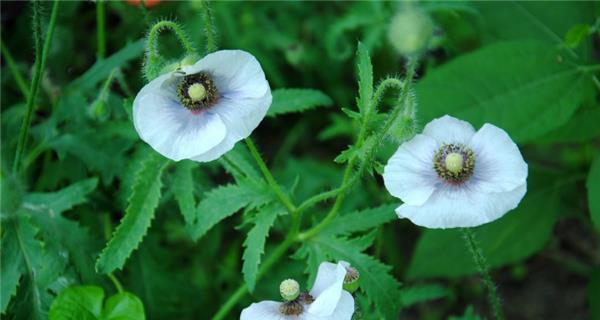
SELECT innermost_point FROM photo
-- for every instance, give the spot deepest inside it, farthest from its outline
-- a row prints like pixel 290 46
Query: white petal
pixel 499 165
pixel 241 117
pixel 343 311
pixel 233 71
pixel 170 128
pixel 409 174
pixel 464 206
pixel 327 289
pixel 448 129
pixel 264 310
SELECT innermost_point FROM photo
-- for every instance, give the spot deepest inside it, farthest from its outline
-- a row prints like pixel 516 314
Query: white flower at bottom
pixel 325 301
pixel 451 176
pixel 202 110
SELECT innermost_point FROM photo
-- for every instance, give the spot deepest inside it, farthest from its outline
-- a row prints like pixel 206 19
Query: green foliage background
pixel 182 237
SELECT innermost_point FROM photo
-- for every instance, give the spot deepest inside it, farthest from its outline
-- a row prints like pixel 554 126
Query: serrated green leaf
pixel 87 303
pixel 442 253
pixel 238 163
pixel 255 242
pixel 138 216
pixel 375 278
pixel 102 68
pixel 297 100
pixel 365 79
pixel 11 262
pixel 362 220
pixel 421 293
pixel 313 254
pixel 221 203
pixel 506 84
pixel 183 190
pixel 78 302
pixel 65 199
pixel 593 192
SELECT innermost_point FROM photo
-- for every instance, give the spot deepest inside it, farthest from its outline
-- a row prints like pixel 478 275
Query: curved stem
pixel 115 282
pixel 209 30
pixel 482 267
pixel 269 177
pixel 40 63
pixel 154 62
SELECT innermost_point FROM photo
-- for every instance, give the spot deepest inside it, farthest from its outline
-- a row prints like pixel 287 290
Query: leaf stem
pixel 14 69
pixel 209 29
pixel 115 282
pixel 482 267
pixel 100 29
pixel 283 198
pixel 40 62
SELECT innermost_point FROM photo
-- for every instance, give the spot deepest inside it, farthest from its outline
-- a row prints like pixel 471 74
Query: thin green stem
pixel 482 267
pixel 279 251
pixel 14 70
pixel 269 177
pixel 349 180
pixel 209 27
pixel 100 29
pixel 40 62
pixel 115 282
pixel 310 202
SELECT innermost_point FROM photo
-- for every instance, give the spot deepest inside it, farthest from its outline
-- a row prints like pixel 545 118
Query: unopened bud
pixel 411 31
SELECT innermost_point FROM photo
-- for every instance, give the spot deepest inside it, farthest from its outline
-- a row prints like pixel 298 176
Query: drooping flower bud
pixel 411 31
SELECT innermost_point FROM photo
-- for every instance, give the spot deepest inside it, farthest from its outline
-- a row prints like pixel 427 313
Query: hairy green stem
pixel 209 27
pixel 100 29
pixel 269 177
pixel 14 70
pixel 154 62
pixel 482 267
pixel 40 62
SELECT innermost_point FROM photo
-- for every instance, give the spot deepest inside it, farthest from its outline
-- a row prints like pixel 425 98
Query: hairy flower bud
pixel 410 31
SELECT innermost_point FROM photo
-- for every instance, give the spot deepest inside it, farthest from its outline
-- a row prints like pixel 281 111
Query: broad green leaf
pixel 362 220
pixel 518 235
pixel 65 199
pixel 255 242
pixel 87 303
pixel 297 100
pixel 507 84
pixel 375 278
pixel 123 306
pixel 223 202
pixel 593 192
pixel 183 189
pixel 576 35
pixel 581 127
pixel 38 266
pixel 365 79
pixel 78 303
pixel 421 293
pixel 102 68
pixel 138 215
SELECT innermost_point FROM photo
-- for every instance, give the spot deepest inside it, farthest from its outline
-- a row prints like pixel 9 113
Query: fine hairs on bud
pixel 410 31
pixel 406 124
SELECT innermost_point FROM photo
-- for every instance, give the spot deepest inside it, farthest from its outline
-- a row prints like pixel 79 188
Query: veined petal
pixel 499 165
pixel 448 129
pixel 171 129
pixel 343 311
pixel 264 310
pixel 327 289
pixel 461 206
pixel 234 72
pixel 409 174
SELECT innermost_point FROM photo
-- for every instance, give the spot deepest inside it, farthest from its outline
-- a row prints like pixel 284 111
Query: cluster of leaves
pixel 515 65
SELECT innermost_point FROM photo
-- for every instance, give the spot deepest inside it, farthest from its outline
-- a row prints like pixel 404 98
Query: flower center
pixel 197 91
pixel 454 163
pixel 289 289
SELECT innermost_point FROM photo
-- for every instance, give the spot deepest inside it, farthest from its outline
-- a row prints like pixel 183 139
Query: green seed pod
pixel 352 279
pixel 289 289
pixel 411 31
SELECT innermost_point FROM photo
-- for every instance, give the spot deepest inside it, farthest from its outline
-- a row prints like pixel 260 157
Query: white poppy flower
pixel 451 176
pixel 202 110
pixel 325 301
